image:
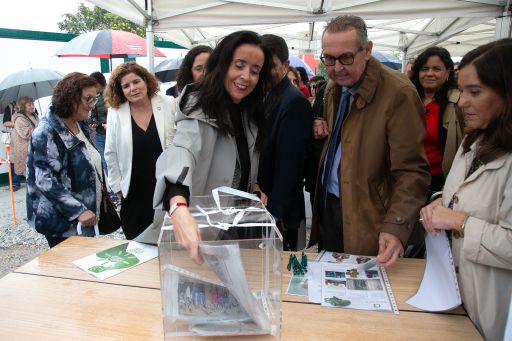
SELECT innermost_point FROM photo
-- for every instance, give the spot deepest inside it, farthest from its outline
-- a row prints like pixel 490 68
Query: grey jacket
pixel 200 157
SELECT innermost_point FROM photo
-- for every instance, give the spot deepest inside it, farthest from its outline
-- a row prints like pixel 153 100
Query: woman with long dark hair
pixel 220 121
pixel 476 203
pixel 433 75
pixel 191 69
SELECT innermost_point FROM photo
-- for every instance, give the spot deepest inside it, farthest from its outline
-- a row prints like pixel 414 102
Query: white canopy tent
pixel 408 26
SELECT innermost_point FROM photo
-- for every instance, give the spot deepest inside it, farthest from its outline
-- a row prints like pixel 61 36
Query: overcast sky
pixel 43 15
pixel 39 15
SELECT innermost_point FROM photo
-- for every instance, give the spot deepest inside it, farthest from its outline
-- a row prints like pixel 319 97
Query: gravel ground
pixel 19 243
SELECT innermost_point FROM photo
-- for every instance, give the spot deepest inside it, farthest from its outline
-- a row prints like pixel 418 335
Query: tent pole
pixel 150 37
pixel 38 102
pixel 504 23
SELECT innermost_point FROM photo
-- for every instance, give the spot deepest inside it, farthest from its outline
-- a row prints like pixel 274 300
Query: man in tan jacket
pixel 373 174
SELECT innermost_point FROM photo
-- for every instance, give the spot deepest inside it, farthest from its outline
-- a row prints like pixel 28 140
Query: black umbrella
pixel 167 70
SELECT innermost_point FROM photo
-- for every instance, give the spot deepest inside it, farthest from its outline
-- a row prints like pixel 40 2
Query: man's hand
pixel 320 130
pixel 390 249
pixel 255 189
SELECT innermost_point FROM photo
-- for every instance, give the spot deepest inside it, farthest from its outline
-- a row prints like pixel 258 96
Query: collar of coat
pixel 453 95
pixel 69 140
pixel 494 164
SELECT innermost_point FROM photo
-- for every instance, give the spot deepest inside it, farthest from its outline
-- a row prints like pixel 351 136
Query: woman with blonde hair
pixel 140 124
pixel 25 121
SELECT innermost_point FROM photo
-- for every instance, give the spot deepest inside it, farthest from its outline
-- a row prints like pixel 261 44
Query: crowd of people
pixel 380 151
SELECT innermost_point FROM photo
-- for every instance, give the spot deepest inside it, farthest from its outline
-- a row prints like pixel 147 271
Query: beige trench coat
pixel 452 117
pixel 484 255
pixel 24 125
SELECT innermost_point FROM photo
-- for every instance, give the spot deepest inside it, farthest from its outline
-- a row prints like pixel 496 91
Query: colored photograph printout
pixel 349 286
pixel 298 285
pixel 350 281
pixel 201 300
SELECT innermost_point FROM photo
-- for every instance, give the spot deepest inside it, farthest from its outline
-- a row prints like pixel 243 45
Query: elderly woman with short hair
pixel 63 166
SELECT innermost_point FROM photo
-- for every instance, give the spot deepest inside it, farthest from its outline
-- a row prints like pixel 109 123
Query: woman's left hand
pixel 443 218
pixel 87 218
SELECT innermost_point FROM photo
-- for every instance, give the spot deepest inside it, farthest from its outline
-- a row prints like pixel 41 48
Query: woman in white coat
pixel 140 124
pixel 476 203
pixel 219 132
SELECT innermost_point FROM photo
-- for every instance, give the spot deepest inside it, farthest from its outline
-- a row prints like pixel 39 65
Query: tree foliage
pixel 87 20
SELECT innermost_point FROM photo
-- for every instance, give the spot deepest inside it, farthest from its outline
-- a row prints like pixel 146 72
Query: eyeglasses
pixel 90 100
pixel 344 59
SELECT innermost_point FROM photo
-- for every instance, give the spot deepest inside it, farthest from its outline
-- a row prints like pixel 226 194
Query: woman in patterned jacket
pixel 63 167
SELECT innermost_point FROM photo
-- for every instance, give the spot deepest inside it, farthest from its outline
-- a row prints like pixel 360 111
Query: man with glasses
pixel 373 174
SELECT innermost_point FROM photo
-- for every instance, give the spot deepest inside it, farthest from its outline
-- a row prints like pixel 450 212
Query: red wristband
pixel 175 206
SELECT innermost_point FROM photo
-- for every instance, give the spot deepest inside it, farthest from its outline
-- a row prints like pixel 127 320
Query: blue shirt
pixel 332 185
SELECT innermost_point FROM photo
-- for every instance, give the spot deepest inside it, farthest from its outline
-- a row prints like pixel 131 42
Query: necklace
pixel 71 130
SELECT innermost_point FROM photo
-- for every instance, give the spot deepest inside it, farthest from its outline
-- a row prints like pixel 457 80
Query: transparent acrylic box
pixel 237 290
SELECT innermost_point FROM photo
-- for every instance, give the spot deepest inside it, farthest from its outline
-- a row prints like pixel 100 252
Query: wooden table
pixel 51 299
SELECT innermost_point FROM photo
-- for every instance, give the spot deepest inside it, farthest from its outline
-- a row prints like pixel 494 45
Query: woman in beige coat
pixel 25 120
pixel 476 206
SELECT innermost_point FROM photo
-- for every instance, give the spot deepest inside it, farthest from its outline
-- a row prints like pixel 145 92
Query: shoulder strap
pixel 28 119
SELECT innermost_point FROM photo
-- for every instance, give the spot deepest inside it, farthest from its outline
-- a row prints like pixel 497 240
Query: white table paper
pixel 439 290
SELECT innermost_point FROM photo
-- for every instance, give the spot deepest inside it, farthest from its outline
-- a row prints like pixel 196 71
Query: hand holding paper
pixel 390 248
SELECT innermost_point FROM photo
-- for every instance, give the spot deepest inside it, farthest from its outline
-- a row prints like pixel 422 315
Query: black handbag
pixel 109 219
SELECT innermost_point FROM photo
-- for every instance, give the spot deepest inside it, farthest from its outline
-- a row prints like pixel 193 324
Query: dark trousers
pixel 52 241
pixel 436 183
pixel 331 225
pixel 16 180
pixel 289 236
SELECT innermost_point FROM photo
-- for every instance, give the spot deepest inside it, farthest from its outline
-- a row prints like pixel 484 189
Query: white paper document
pixel 110 262
pixel 314 275
pixel 439 290
pixel 349 281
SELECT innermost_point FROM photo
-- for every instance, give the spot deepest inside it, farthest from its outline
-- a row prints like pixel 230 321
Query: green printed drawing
pixel 337 302
pixel 115 258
